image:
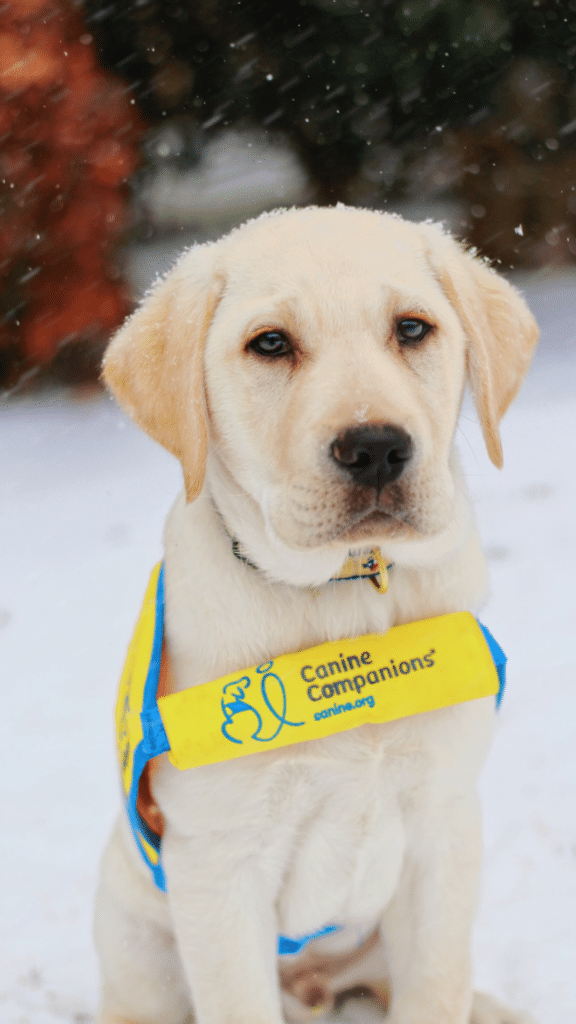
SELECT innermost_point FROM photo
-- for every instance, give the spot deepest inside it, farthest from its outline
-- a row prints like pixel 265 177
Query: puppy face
pixel 324 353
pixel 334 369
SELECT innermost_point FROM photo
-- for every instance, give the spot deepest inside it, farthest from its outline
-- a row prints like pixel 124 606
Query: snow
pixel 84 495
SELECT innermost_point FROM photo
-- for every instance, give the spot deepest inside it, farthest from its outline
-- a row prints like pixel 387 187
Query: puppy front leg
pixel 428 923
pixel 225 926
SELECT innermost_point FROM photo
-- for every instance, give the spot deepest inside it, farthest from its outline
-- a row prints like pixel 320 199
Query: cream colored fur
pixel 376 829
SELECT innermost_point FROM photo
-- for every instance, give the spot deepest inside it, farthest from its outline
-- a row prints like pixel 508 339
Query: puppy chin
pixel 250 522
pixel 403 546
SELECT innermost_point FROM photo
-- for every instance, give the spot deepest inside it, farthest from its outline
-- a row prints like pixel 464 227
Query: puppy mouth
pixel 366 515
pixel 357 516
pixel 375 523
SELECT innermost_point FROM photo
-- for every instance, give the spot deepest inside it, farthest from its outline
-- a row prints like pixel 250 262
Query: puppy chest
pixel 320 825
pixel 345 855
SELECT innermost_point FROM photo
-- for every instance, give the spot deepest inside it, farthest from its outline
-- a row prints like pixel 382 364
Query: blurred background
pixel 134 127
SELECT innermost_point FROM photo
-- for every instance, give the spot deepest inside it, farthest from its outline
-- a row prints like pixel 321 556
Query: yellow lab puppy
pixel 308 371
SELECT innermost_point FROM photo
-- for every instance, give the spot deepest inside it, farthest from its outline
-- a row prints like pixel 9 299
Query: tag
pixel 369 566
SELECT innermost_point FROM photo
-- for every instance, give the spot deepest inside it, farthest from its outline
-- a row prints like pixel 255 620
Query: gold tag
pixel 366 565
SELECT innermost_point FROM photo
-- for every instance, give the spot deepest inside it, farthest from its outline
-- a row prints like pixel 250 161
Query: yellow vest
pixel 307 695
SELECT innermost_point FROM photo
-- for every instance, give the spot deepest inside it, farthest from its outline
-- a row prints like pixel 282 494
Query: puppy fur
pixel 376 829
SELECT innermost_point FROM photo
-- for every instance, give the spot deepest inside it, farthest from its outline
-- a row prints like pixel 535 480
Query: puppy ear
pixel 500 329
pixel 154 365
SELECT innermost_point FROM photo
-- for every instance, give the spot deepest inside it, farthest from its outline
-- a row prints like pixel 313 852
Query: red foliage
pixel 69 140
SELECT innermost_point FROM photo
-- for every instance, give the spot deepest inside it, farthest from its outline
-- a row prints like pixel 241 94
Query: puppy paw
pixel 487 1010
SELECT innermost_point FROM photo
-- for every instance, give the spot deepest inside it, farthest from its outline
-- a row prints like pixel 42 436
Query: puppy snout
pixel 374 454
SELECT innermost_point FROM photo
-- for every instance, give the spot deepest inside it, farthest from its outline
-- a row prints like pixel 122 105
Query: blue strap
pixel 154 734
pixel 499 659
pixel 286 945
pixel 154 741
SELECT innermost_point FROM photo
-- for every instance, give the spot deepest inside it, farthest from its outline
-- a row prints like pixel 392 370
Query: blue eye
pixel 270 343
pixel 411 330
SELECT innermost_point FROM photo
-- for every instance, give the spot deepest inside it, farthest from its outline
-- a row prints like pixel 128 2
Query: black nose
pixel 374 454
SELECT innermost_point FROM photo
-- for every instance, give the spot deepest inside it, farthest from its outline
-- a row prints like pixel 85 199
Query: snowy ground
pixel 84 495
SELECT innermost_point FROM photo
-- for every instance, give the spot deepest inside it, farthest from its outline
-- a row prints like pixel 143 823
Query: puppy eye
pixel 412 330
pixel 270 343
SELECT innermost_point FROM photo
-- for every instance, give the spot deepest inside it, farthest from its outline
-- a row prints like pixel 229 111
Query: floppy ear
pixel 500 329
pixel 154 365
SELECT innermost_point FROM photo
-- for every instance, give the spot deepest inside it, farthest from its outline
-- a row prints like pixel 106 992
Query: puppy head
pixel 324 353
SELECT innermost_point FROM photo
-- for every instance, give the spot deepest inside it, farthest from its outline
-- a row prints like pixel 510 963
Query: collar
pixel 367 565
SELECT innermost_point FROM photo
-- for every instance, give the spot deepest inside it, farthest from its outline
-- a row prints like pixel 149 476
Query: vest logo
pixel 257 708
pixel 263 708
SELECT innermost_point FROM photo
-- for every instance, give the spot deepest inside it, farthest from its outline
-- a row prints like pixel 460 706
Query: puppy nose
pixel 374 454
